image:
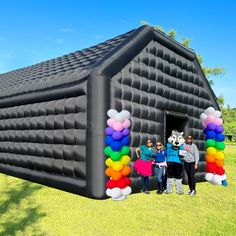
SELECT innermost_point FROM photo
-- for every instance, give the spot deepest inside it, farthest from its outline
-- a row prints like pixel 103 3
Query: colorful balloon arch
pixel 213 130
pixel 117 150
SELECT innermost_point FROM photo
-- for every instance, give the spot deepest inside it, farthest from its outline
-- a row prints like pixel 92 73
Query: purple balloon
pixel 117 135
pixel 211 126
pixel 126 132
pixel 219 129
pixel 109 131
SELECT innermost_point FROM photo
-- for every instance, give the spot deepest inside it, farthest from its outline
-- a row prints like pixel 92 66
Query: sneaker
pixel 189 192
pixel 180 192
pixel 147 192
pixel 167 192
pixel 193 193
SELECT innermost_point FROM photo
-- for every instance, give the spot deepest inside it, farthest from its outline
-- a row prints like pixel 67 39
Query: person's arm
pixel 196 156
pixel 137 150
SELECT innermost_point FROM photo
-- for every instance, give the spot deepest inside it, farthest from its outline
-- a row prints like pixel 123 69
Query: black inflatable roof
pixel 56 71
pixel 65 69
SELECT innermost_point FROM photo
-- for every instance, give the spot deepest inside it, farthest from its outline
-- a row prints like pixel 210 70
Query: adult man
pixel 191 159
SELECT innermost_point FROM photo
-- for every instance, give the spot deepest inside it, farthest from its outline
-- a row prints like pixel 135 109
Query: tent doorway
pixel 175 121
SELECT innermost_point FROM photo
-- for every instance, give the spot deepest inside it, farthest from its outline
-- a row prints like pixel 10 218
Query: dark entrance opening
pixel 175 121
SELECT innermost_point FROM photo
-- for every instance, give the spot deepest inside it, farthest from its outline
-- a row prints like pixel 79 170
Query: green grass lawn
pixel 31 209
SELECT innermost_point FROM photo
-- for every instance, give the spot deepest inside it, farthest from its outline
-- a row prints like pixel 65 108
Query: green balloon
pixel 125 150
pixel 108 150
pixel 115 156
pixel 210 143
pixel 220 145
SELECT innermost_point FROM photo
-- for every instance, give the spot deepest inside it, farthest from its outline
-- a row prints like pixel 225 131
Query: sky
pixel 32 31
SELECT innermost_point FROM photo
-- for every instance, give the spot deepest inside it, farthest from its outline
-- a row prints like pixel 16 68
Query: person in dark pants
pixel 143 165
pixel 160 166
pixel 191 159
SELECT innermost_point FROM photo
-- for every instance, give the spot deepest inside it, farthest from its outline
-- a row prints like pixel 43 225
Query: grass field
pixel 31 209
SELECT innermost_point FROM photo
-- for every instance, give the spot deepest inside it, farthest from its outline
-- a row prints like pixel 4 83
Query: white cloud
pixel 66 30
pixel 60 41
pixel 98 36
pixel 124 21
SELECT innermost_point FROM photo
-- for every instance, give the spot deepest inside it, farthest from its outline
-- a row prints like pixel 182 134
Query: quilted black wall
pixel 156 83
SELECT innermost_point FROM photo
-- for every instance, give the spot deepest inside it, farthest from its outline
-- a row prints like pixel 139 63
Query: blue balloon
pixel 224 183
pixel 116 146
pixel 125 141
pixel 210 135
pixel 109 140
pixel 220 137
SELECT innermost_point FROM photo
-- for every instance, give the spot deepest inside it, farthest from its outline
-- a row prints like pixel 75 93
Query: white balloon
pixel 125 114
pixel 210 110
pixel 111 113
pixel 116 193
pixel 217 114
pixel 108 192
pixel 119 117
pixel 126 191
pixel 120 198
pixel 223 177
pixel 216 179
pixel 203 116
pixel 208 176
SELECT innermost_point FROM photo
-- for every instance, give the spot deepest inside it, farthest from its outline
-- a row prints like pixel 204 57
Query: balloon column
pixel 117 150
pixel 215 146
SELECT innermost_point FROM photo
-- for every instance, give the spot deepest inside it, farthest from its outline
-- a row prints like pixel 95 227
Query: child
pixel 160 166
pixel 143 165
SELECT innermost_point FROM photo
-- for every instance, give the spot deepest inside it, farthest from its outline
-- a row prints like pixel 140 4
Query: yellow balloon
pixel 117 166
pixel 220 155
pixel 211 151
pixel 125 160
pixel 109 162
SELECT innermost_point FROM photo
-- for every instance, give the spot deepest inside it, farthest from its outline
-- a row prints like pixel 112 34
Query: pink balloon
pixel 219 121
pixel 126 123
pixel 117 126
pixel 111 122
pixel 210 119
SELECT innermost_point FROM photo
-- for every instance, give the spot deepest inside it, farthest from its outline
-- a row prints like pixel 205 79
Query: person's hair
pixel 149 141
pixel 161 144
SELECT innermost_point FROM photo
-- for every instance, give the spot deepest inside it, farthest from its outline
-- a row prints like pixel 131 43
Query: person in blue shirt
pixel 160 166
pixel 143 165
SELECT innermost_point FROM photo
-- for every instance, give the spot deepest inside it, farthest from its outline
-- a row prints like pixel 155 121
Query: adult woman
pixel 191 159
pixel 143 165
pixel 160 166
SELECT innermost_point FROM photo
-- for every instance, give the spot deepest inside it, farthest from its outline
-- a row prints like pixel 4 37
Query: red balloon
pixel 210 167
pixel 121 183
pixel 219 171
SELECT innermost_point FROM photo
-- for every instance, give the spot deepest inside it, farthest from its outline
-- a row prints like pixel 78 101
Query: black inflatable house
pixel 53 114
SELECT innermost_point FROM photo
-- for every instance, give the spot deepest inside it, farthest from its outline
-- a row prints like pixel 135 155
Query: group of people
pixel 167 163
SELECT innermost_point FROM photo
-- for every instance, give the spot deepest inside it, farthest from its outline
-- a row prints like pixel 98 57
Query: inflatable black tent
pixel 53 114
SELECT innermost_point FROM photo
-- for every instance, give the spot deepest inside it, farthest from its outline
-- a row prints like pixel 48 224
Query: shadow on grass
pixel 21 217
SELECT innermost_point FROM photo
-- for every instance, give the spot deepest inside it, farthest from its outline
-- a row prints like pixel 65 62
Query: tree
pixel 210 72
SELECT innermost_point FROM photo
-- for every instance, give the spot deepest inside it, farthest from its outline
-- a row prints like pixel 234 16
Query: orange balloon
pixel 116 175
pixel 210 158
pixel 219 163
pixel 109 171
pixel 126 170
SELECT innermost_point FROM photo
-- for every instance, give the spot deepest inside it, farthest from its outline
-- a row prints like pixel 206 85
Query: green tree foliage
pixel 229 117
